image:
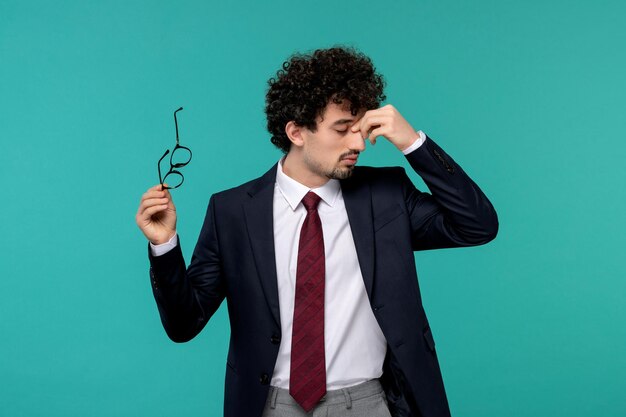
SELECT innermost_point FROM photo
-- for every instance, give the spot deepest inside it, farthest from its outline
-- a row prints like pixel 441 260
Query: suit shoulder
pixel 244 190
pixel 236 190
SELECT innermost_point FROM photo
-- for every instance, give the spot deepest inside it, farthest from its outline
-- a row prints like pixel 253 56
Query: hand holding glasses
pixel 179 157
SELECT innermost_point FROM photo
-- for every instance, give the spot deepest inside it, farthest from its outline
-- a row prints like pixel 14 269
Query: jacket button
pixel 275 339
pixel 153 279
pixel 264 379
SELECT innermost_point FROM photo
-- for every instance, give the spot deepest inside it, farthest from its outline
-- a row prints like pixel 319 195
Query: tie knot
pixel 310 201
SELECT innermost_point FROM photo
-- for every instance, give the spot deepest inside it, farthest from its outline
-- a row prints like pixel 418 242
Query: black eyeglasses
pixel 183 157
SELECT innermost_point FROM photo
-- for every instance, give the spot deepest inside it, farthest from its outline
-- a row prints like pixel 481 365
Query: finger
pixel 153 194
pixel 371 123
pixel 373 113
pixel 143 217
pixel 167 191
pixel 153 188
pixel 375 133
pixel 149 212
pixel 358 125
pixel 156 201
pixel 152 191
pixel 151 203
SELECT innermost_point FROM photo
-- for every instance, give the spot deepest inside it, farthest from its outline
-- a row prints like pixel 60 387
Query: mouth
pixel 350 159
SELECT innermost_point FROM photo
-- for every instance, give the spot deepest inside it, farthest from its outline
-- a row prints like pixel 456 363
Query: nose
pixel 356 142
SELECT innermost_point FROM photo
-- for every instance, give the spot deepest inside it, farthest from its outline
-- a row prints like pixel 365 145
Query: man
pixel 315 257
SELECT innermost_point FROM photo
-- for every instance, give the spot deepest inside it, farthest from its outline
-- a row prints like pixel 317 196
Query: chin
pixel 341 174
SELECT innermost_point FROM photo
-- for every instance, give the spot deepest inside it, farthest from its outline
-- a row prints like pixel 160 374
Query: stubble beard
pixel 341 173
pixel 337 173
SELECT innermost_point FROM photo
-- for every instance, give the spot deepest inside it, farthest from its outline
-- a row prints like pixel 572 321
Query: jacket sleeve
pixel 457 213
pixel 188 297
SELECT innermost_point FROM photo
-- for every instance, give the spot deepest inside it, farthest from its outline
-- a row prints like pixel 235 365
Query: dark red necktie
pixel 307 379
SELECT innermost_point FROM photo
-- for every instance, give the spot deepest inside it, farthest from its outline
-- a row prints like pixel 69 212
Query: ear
pixel 294 133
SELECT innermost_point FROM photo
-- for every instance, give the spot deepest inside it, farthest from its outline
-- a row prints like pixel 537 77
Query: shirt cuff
pixel 418 142
pixel 163 248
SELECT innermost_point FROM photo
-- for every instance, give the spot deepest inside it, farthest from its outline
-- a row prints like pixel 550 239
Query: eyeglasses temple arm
pixel 176 123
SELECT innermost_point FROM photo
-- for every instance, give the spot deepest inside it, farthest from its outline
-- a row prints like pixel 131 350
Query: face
pixel 331 151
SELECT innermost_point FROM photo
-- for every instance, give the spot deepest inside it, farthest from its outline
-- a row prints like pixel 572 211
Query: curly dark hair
pixel 308 82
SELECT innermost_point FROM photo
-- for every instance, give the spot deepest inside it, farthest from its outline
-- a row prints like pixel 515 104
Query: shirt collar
pixel 294 192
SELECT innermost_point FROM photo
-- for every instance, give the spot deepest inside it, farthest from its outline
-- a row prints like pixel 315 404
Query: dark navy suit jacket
pixel 234 259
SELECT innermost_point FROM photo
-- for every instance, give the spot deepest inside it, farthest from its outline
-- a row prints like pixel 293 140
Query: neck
pixel 295 168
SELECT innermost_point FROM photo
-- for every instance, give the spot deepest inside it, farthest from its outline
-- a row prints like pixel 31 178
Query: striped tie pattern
pixel 307 379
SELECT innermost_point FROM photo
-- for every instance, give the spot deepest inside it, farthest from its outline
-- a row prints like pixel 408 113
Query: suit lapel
pixel 358 200
pixel 259 220
pixel 258 211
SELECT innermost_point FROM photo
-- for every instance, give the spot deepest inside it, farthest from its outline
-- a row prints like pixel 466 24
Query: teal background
pixel 528 97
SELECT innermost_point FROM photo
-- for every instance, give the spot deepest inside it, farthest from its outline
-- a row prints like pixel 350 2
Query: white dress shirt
pixel 355 346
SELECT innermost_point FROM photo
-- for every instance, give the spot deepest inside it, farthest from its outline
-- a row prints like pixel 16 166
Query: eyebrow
pixel 342 121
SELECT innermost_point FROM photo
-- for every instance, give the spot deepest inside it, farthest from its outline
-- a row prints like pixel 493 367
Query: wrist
pixel 409 142
pixel 163 240
pixel 416 144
